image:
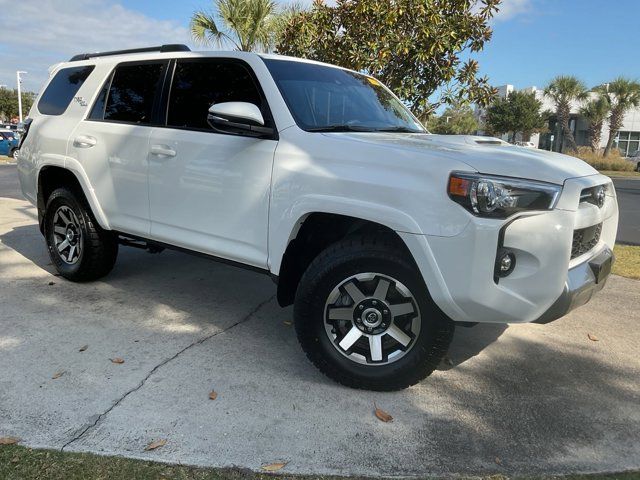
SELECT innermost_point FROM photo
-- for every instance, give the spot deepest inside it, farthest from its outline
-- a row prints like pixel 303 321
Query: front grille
pixel 584 239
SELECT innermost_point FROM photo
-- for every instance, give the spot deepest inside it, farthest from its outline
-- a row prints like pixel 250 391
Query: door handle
pixel 162 151
pixel 84 141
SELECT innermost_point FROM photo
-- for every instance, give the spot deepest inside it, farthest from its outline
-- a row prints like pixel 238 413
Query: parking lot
pixel 512 400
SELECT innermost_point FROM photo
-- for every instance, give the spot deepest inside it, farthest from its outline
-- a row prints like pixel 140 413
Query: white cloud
pixel 37 34
pixel 512 8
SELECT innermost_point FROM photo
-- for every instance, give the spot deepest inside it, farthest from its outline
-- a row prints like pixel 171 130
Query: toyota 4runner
pixel 381 234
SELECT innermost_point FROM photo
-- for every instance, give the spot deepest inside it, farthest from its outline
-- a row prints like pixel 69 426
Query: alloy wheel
pixel 67 235
pixel 372 319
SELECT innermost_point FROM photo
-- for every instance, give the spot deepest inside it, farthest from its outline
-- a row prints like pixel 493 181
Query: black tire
pixel 99 247
pixel 341 261
pixel 13 153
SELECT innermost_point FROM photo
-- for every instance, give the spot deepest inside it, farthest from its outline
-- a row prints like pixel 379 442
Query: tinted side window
pixel 132 93
pixel 199 84
pixel 63 87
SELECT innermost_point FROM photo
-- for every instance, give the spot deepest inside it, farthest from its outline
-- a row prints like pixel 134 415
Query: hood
pixel 483 154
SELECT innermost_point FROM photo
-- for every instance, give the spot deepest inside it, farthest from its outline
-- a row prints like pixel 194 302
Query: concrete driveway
pixel 523 399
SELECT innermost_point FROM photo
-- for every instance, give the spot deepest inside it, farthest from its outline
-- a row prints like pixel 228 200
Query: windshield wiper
pixel 340 128
pixel 398 129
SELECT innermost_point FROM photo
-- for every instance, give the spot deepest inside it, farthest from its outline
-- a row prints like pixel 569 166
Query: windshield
pixel 323 98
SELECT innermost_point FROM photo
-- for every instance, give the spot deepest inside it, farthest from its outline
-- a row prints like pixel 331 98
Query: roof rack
pixel 174 47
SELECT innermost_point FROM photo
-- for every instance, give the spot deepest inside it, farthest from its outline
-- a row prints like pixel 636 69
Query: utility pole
pixel 19 81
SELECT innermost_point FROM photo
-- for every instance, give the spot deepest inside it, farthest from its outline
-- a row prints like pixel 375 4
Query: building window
pixel 628 143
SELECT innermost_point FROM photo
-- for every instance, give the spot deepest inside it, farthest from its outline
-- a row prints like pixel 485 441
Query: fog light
pixel 505 263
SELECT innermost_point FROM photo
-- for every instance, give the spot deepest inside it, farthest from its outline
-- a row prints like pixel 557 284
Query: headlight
pixel 500 197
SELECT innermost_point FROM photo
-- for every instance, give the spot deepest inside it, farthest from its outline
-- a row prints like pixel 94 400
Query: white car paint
pixel 244 199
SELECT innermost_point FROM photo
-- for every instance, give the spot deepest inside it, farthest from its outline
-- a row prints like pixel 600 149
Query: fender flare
pixel 78 172
pixel 286 227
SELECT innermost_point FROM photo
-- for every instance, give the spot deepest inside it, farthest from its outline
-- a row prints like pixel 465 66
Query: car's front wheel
pixel 364 317
pixel 79 249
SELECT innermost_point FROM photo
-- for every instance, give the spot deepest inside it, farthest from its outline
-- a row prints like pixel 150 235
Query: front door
pixel 209 191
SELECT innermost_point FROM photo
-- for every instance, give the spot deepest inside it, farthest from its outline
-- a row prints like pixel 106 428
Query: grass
pixel 20 463
pixel 612 173
pixel 613 163
pixel 627 262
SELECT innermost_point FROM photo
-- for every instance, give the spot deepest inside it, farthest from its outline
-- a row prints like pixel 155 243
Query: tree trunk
pixel 595 134
pixel 615 122
pixel 568 134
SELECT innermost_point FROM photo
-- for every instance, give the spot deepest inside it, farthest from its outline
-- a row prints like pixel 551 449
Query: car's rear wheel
pixel 364 316
pixel 14 153
pixel 79 249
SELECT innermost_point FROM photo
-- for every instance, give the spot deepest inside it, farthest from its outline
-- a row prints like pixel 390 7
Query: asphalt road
pixel 523 399
pixel 628 191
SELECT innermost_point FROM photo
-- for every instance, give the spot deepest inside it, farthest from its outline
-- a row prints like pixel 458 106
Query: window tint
pixel 97 112
pixel 199 84
pixel 132 93
pixel 323 97
pixel 62 89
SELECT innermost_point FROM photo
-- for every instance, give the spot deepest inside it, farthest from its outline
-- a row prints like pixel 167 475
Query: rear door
pixel 112 143
pixel 209 191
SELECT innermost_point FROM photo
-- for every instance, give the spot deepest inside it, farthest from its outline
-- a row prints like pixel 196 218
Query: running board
pixel 141 244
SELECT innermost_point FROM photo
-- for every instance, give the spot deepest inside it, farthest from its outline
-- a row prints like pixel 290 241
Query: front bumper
pixel 583 281
pixel 459 270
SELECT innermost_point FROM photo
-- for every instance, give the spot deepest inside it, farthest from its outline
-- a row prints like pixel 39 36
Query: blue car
pixel 8 143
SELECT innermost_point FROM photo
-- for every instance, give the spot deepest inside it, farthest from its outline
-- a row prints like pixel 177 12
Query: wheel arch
pixel 52 176
pixel 313 232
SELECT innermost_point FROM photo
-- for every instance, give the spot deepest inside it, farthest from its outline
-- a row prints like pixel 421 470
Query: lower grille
pixel 584 239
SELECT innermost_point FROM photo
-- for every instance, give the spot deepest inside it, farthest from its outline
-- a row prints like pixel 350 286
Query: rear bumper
pixel 583 281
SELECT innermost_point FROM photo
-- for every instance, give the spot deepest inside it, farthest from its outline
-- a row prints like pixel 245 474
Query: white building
pixel 627 140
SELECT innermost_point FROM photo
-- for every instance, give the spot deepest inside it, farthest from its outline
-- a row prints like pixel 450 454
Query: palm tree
pixel 245 24
pixel 596 112
pixel 563 90
pixel 624 94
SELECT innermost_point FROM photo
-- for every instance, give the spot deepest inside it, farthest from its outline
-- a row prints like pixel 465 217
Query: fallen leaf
pixel 213 395
pixel 58 374
pixel 52 283
pixel 382 415
pixel 287 323
pixel 83 348
pixel 274 467
pixel 592 337
pixel 117 360
pixel 498 461
pixel 15 460
pixel 156 444
pixel 9 440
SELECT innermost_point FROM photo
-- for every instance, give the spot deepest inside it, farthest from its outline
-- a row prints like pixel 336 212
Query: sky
pixel 533 40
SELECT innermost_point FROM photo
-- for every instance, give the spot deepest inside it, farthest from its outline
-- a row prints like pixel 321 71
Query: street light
pixel 19 81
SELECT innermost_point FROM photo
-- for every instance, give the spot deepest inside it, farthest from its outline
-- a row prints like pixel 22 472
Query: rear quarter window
pixel 62 88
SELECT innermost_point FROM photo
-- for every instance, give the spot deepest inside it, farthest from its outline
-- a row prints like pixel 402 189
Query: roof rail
pixel 175 47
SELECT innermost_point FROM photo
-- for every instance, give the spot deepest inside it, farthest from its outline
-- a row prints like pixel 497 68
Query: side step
pixel 141 244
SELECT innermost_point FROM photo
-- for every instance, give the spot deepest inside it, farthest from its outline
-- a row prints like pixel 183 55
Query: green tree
pixel 245 24
pixel 9 103
pixel 520 112
pixel 415 47
pixel 455 120
pixel 563 90
pixel 623 94
pixel 596 112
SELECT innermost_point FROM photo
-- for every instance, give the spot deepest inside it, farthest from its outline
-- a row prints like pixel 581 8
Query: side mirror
pixel 239 118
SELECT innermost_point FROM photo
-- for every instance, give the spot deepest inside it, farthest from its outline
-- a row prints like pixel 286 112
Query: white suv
pixel 383 235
